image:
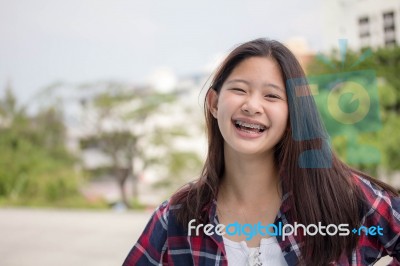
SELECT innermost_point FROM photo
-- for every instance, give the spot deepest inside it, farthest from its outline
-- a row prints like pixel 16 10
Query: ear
pixel 212 102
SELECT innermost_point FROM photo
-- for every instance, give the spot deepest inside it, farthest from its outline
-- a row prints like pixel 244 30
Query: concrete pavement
pixel 54 237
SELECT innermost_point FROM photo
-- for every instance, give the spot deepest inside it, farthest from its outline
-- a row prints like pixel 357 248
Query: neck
pixel 249 179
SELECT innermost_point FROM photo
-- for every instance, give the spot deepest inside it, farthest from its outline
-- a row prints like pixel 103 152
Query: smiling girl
pixel 253 174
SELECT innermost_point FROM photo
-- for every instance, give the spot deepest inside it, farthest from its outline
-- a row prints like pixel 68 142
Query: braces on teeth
pixel 248 125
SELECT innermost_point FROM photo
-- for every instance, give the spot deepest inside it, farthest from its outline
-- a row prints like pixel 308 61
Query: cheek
pixel 281 114
pixel 224 107
pixel 223 114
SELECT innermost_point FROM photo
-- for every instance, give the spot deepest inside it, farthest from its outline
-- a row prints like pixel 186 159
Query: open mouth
pixel 249 127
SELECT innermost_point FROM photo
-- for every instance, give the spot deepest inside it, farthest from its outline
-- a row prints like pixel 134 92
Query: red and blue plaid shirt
pixel 166 242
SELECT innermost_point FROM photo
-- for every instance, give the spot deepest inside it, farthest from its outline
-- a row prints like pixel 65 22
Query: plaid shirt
pixel 165 242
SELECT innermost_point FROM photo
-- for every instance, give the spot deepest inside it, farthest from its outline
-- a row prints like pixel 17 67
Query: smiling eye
pixel 274 96
pixel 238 90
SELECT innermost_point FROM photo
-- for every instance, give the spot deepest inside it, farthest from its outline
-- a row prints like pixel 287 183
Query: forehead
pixel 255 69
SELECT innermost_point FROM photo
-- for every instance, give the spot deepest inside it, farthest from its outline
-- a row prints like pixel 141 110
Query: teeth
pixel 244 124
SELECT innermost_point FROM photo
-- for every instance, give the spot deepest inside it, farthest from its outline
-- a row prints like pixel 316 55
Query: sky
pixel 80 41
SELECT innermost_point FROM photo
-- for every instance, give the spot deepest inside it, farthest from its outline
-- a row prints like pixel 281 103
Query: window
pixel 364 31
pixel 363 24
pixel 389 28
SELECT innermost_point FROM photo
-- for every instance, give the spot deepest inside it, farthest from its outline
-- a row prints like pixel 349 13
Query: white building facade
pixel 364 23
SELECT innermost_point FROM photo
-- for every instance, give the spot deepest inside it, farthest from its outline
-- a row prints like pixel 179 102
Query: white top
pixel 269 253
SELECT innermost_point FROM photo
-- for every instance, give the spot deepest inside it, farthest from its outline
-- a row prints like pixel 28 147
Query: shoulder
pixel 161 220
pixel 161 213
pixel 377 202
pixel 373 193
pixel 368 188
pixel 165 215
pixel 158 223
pixel 164 212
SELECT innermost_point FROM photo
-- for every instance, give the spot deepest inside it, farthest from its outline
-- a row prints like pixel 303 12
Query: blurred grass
pixel 74 202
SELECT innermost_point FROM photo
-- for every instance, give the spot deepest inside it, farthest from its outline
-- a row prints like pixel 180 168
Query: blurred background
pixel 101 107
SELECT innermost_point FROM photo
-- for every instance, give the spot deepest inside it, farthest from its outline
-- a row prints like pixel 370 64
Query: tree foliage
pixel 34 163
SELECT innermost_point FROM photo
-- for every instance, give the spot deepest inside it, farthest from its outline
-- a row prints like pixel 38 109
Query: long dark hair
pixel 318 193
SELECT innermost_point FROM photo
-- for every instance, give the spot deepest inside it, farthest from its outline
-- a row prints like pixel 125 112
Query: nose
pixel 252 106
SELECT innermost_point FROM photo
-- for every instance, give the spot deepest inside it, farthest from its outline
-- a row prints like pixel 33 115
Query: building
pixel 364 23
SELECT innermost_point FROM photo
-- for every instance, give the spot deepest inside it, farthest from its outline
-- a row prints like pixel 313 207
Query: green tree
pixel 34 163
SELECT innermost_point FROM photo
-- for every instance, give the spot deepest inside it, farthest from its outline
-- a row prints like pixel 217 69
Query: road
pixel 70 238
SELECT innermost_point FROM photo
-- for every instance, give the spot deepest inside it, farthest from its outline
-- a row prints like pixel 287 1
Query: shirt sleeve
pixel 151 247
pixel 391 241
pixel 384 213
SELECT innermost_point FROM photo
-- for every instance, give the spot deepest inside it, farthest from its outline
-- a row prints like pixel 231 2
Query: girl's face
pixel 251 108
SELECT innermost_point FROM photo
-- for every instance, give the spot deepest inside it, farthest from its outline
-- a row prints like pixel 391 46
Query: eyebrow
pixel 248 83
